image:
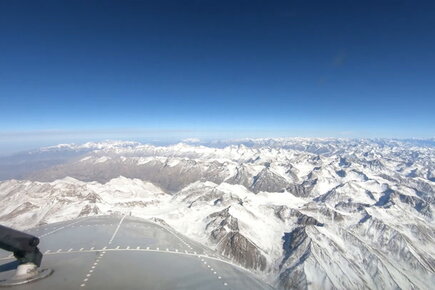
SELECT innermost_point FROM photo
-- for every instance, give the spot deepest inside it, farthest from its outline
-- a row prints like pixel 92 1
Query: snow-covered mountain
pixel 301 213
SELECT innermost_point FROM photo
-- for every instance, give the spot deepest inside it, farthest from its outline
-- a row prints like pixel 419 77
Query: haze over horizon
pixel 74 71
pixel 216 144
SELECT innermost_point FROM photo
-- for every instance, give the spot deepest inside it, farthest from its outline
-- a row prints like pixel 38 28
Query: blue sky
pixel 73 70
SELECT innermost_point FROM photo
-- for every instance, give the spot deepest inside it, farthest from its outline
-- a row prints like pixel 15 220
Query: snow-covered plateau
pixel 301 213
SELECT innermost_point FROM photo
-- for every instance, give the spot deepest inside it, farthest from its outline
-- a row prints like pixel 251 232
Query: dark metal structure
pixel 24 247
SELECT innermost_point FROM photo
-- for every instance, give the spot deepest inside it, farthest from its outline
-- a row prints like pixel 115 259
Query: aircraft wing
pixel 123 252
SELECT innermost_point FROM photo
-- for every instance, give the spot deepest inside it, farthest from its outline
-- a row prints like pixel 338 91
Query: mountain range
pixel 301 213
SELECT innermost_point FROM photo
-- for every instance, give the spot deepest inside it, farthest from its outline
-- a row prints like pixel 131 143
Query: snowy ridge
pixel 302 213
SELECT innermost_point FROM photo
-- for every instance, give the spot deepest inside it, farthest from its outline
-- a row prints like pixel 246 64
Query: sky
pixel 82 70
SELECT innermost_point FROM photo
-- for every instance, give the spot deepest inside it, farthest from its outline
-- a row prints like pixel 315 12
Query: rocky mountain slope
pixel 301 213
